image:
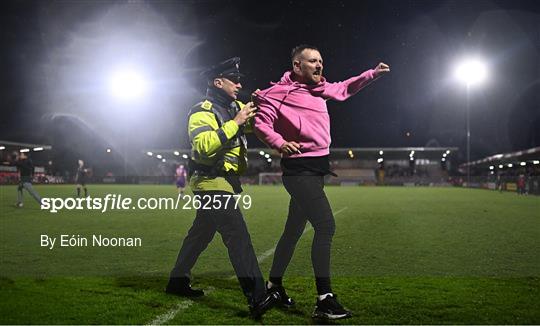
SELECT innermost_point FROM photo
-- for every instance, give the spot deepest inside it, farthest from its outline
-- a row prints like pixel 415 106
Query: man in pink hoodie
pixel 293 119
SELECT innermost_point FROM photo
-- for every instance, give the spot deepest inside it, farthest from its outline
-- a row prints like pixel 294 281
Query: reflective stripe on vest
pixel 197 131
pixel 231 159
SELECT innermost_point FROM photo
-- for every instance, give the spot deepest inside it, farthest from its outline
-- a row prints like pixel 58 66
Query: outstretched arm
pixel 341 91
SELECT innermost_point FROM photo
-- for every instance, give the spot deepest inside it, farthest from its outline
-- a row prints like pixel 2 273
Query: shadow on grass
pixel 142 282
pixel 6 282
pixel 217 281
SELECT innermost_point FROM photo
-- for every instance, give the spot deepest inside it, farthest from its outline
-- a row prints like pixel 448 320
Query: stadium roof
pixel 395 153
pixel 18 146
pixel 526 155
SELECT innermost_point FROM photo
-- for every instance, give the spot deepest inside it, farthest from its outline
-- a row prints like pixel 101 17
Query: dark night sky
pixel 53 53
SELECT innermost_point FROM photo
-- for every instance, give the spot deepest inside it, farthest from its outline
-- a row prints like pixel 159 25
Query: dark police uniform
pixel 218 158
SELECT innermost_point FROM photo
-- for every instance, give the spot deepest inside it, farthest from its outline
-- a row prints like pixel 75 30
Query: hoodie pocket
pixel 315 130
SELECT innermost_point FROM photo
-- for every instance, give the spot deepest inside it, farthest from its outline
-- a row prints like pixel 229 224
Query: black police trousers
pixel 230 224
pixel 308 203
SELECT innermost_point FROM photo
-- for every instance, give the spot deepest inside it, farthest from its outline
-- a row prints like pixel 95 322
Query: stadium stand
pixel 39 154
pixel 514 171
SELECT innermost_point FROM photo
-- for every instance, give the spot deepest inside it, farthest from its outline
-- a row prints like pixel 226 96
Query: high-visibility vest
pixel 218 145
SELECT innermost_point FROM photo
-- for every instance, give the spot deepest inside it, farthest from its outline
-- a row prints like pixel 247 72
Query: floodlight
pixel 471 71
pixel 127 84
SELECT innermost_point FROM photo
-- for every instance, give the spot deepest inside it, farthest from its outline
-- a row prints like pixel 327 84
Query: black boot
pixel 180 286
pixel 330 309
pixel 286 301
pixel 269 300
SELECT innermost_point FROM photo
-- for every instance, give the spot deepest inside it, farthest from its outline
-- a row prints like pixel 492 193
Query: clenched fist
pixel 381 69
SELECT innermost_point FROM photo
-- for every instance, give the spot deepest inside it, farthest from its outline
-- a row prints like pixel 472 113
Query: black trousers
pixel 308 203
pixel 229 222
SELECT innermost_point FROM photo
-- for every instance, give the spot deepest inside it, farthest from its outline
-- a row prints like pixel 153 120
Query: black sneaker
pixel 270 300
pixel 330 309
pixel 286 301
pixel 181 287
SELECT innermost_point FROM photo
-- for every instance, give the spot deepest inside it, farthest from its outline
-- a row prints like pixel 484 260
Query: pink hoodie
pixel 290 111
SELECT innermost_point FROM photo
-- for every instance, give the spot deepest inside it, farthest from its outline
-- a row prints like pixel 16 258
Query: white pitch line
pixel 171 313
pixel 162 319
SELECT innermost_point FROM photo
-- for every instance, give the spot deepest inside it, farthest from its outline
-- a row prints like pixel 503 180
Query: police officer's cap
pixel 228 68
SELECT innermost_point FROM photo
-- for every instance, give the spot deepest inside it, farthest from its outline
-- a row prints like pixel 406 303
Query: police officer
pixel 219 156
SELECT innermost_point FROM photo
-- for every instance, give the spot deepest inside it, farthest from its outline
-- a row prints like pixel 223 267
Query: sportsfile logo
pixel 113 202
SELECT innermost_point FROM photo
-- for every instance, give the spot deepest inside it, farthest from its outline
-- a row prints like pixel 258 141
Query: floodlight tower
pixel 127 85
pixel 470 72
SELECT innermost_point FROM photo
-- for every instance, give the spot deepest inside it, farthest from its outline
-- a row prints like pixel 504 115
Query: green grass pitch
pixel 399 256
